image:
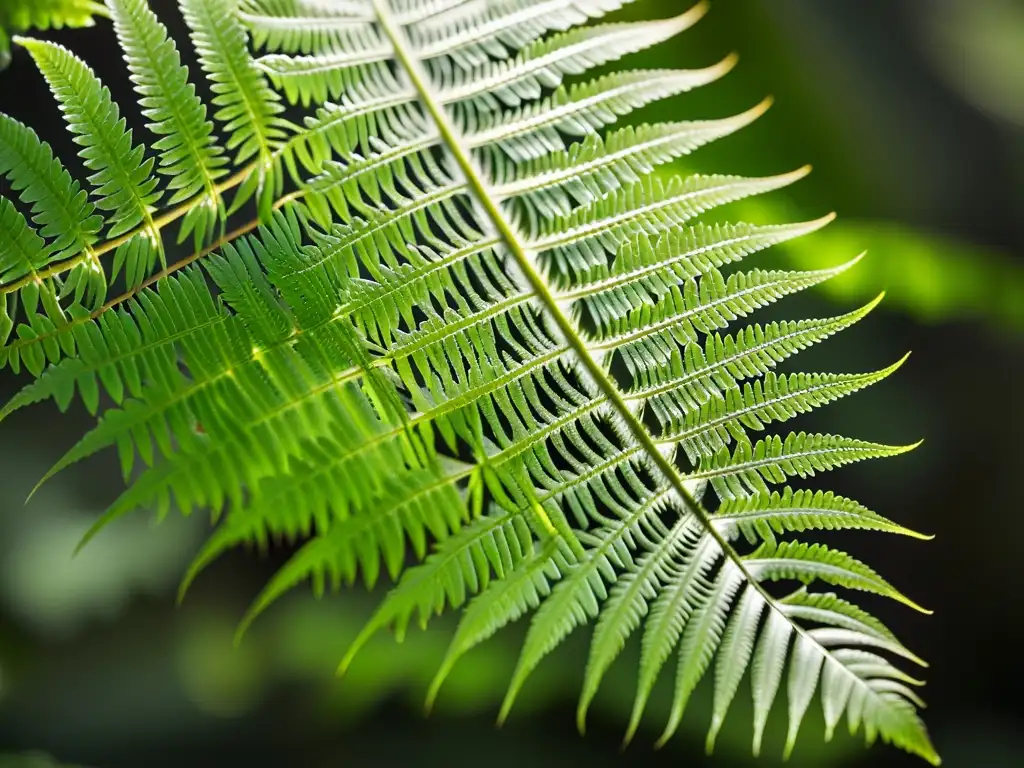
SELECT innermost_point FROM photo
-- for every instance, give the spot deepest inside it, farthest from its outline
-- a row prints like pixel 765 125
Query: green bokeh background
pixel 912 112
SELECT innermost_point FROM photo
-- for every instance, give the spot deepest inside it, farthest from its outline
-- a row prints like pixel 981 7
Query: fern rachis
pixel 471 321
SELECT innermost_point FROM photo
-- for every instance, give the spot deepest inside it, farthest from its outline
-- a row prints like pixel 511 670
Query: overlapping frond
pixel 247 108
pixel 473 344
pixel 189 156
pixel 122 177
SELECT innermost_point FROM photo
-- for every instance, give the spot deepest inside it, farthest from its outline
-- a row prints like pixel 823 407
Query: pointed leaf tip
pixel 194 569
pixel 507 702
pixel 634 723
pixel 726 65
pixel 801 172
pixel 243 627
pixel 787 751
pixel 40 484
pixel 183 588
pixel 435 685
pixel 873 303
pixel 844 267
pixel 749 116
pixel 694 14
pixel 912 446
pixel 350 654
pixel 90 534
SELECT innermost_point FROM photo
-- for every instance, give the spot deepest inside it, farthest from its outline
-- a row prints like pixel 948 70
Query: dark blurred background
pixel 912 112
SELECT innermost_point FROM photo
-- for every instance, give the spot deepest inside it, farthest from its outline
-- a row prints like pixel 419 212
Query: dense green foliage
pixel 470 326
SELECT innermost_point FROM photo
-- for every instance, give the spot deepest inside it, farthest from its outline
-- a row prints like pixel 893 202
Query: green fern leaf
pixel 188 155
pixel 469 342
pixel 626 605
pixel 247 108
pixel 123 181
pixel 59 206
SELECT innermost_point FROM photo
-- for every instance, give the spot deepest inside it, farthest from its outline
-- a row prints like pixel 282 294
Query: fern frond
pixel 546 62
pixel 809 563
pixel 248 110
pixel 189 156
pixel 294 26
pixel 471 342
pixel 695 374
pixel 461 565
pixel 771 399
pixel 576 598
pixel 122 178
pixel 17 16
pixel 121 350
pixel 535 129
pixel 762 516
pixel 595 167
pixel 423 502
pixel 502 602
pixel 22 253
pixel 59 205
pixel 586 237
pixel 800 454
pixel 469 36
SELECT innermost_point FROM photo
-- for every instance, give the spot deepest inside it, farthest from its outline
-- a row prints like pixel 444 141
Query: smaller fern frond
pixel 800 454
pixel 248 109
pixel 701 638
pixel 317 78
pixel 761 517
pixel 189 156
pixel 470 35
pixel 546 62
pixel 60 207
pixel 21 15
pixel 502 602
pixel 122 179
pixel 807 563
pixel 627 604
pixel 594 167
pixel 585 237
pixel 575 598
pixel 533 130
pixel 368 538
pixel 302 26
pixel 734 655
pixel 121 350
pixel 460 566
pixel 766 671
pixel 21 247
pixel 694 374
pixel 676 611
pixel 774 398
